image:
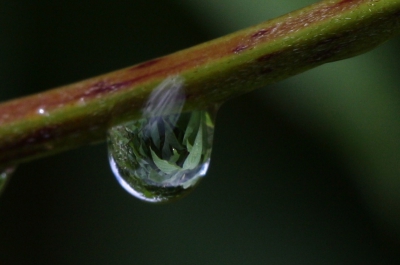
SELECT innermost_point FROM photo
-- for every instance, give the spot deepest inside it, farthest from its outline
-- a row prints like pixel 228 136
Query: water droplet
pixel 5 176
pixel 42 111
pixel 162 156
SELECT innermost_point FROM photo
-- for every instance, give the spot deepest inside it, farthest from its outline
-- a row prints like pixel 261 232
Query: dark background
pixel 302 172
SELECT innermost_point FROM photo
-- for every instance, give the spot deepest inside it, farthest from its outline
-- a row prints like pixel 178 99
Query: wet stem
pixel 78 114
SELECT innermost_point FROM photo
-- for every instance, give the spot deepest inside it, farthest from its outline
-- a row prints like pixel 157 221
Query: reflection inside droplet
pixel 162 156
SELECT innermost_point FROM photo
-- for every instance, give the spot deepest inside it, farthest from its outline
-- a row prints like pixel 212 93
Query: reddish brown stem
pixel 78 114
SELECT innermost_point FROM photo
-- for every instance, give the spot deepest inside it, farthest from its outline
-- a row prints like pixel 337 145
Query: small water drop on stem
pixel 5 174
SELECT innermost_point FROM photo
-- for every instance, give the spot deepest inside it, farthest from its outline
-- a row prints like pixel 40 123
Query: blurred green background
pixel 305 171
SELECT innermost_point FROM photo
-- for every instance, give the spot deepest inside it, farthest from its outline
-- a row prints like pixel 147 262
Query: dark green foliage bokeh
pixel 302 172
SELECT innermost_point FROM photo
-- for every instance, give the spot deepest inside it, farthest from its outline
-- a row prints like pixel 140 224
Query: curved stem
pixel 80 113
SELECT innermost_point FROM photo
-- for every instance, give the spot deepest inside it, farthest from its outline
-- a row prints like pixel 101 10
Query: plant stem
pixel 80 113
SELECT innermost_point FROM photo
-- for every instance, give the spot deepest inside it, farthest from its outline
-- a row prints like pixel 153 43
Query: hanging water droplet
pixel 5 176
pixel 162 156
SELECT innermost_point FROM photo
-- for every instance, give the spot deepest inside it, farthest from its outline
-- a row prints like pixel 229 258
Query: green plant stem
pixel 80 113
